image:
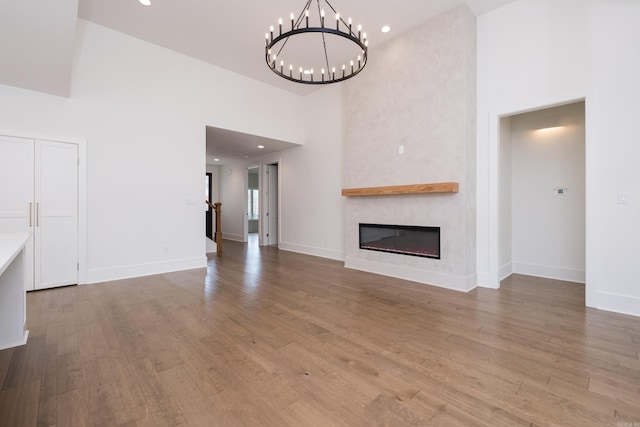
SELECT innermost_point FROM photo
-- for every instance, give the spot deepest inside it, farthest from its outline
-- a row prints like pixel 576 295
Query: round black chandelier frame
pixel 301 25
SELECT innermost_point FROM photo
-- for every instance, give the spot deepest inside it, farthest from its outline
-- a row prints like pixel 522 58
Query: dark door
pixel 209 212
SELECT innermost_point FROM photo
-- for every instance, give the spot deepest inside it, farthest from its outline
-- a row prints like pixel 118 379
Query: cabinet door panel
pixel 56 190
pixel 17 208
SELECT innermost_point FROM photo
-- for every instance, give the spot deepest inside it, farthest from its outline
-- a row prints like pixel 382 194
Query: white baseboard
pixel 312 250
pixel 139 270
pixel 622 304
pixel 234 237
pixel 566 274
pixel 16 343
pixel 442 280
pixel 210 245
pixel 505 271
pixel 485 282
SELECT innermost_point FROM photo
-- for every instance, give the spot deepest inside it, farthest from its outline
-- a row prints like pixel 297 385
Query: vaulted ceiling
pixel 37 41
pixel 37 37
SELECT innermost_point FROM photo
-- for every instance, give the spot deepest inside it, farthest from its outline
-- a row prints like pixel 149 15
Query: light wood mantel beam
pixel 440 187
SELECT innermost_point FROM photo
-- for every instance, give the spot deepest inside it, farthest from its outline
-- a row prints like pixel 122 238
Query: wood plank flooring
pixel 269 338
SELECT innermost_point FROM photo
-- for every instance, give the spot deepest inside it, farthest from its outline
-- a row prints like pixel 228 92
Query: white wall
pixel 311 205
pixel 536 53
pixel 418 92
pixel 143 110
pixel 548 233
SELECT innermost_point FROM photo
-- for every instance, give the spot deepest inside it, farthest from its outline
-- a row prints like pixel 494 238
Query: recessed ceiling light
pixel 145 2
pixel 385 29
pixel 216 160
pixel 261 146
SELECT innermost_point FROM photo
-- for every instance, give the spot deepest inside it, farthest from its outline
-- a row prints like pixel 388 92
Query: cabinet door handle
pixel 30 214
pixel 37 214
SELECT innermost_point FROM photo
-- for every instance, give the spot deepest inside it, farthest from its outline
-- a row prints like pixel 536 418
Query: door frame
pixel 591 224
pixel 264 191
pixel 82 190
pixel 507 269
pixel 245 224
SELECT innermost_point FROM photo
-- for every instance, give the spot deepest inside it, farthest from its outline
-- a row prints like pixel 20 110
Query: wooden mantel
pixel 440 187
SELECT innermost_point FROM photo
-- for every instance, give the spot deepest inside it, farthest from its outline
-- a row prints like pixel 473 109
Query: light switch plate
pixel 623 198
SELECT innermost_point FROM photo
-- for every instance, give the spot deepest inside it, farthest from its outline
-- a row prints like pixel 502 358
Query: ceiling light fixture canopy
pixel 308 41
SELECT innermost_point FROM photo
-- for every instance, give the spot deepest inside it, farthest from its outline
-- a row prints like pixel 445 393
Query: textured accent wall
pixel 418 91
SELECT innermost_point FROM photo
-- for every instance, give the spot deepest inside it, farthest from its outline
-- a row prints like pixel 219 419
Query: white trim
pixel 210 246
pixel 48 137
pixel 549 272
pixel 624 304
pixel 312 250
pixel 491 244
pixel 505 271
pixel 83 245
pixel 441 280
pixel 483 279
pixel 12 344
pixel 592 223
pixel 245 197
pixel 149 269
pixel 493 201
pixel 264 187
pixel 233 237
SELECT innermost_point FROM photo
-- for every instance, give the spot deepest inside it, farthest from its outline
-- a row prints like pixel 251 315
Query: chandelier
pixel 299 51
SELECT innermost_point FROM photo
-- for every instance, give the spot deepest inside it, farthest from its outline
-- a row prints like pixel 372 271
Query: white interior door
pixel 272 200
pixel 56 214
pixel 17 207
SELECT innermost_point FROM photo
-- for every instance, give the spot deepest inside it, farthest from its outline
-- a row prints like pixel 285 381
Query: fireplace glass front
pixel 401 239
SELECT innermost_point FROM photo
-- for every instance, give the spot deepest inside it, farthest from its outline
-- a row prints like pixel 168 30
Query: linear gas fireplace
pixel 401 239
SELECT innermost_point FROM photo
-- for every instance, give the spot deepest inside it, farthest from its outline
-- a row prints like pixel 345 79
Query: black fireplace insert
pixel 401 239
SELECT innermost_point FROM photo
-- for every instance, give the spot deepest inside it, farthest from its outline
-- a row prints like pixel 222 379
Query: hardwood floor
pixel 271 338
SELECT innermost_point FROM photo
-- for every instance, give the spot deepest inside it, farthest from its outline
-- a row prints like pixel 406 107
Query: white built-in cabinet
pixel 39 193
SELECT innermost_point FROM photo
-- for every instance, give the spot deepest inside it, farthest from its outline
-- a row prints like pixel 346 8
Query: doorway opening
pixel 253 205
pixel 212 196
pixel 270 212
pixel 208 211
pixel 541 193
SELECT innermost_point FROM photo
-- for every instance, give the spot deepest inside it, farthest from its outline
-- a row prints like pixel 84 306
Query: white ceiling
pixel 230 34
pixel 37 39
pixel 227 146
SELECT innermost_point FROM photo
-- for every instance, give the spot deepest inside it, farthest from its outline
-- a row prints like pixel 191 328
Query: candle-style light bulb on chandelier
pixel 298 50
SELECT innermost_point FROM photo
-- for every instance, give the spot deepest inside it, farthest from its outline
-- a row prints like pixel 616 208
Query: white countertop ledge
pixel 10 246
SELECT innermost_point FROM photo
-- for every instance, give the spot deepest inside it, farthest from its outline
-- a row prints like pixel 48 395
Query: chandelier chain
pixel 324 40
pixel 297 24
